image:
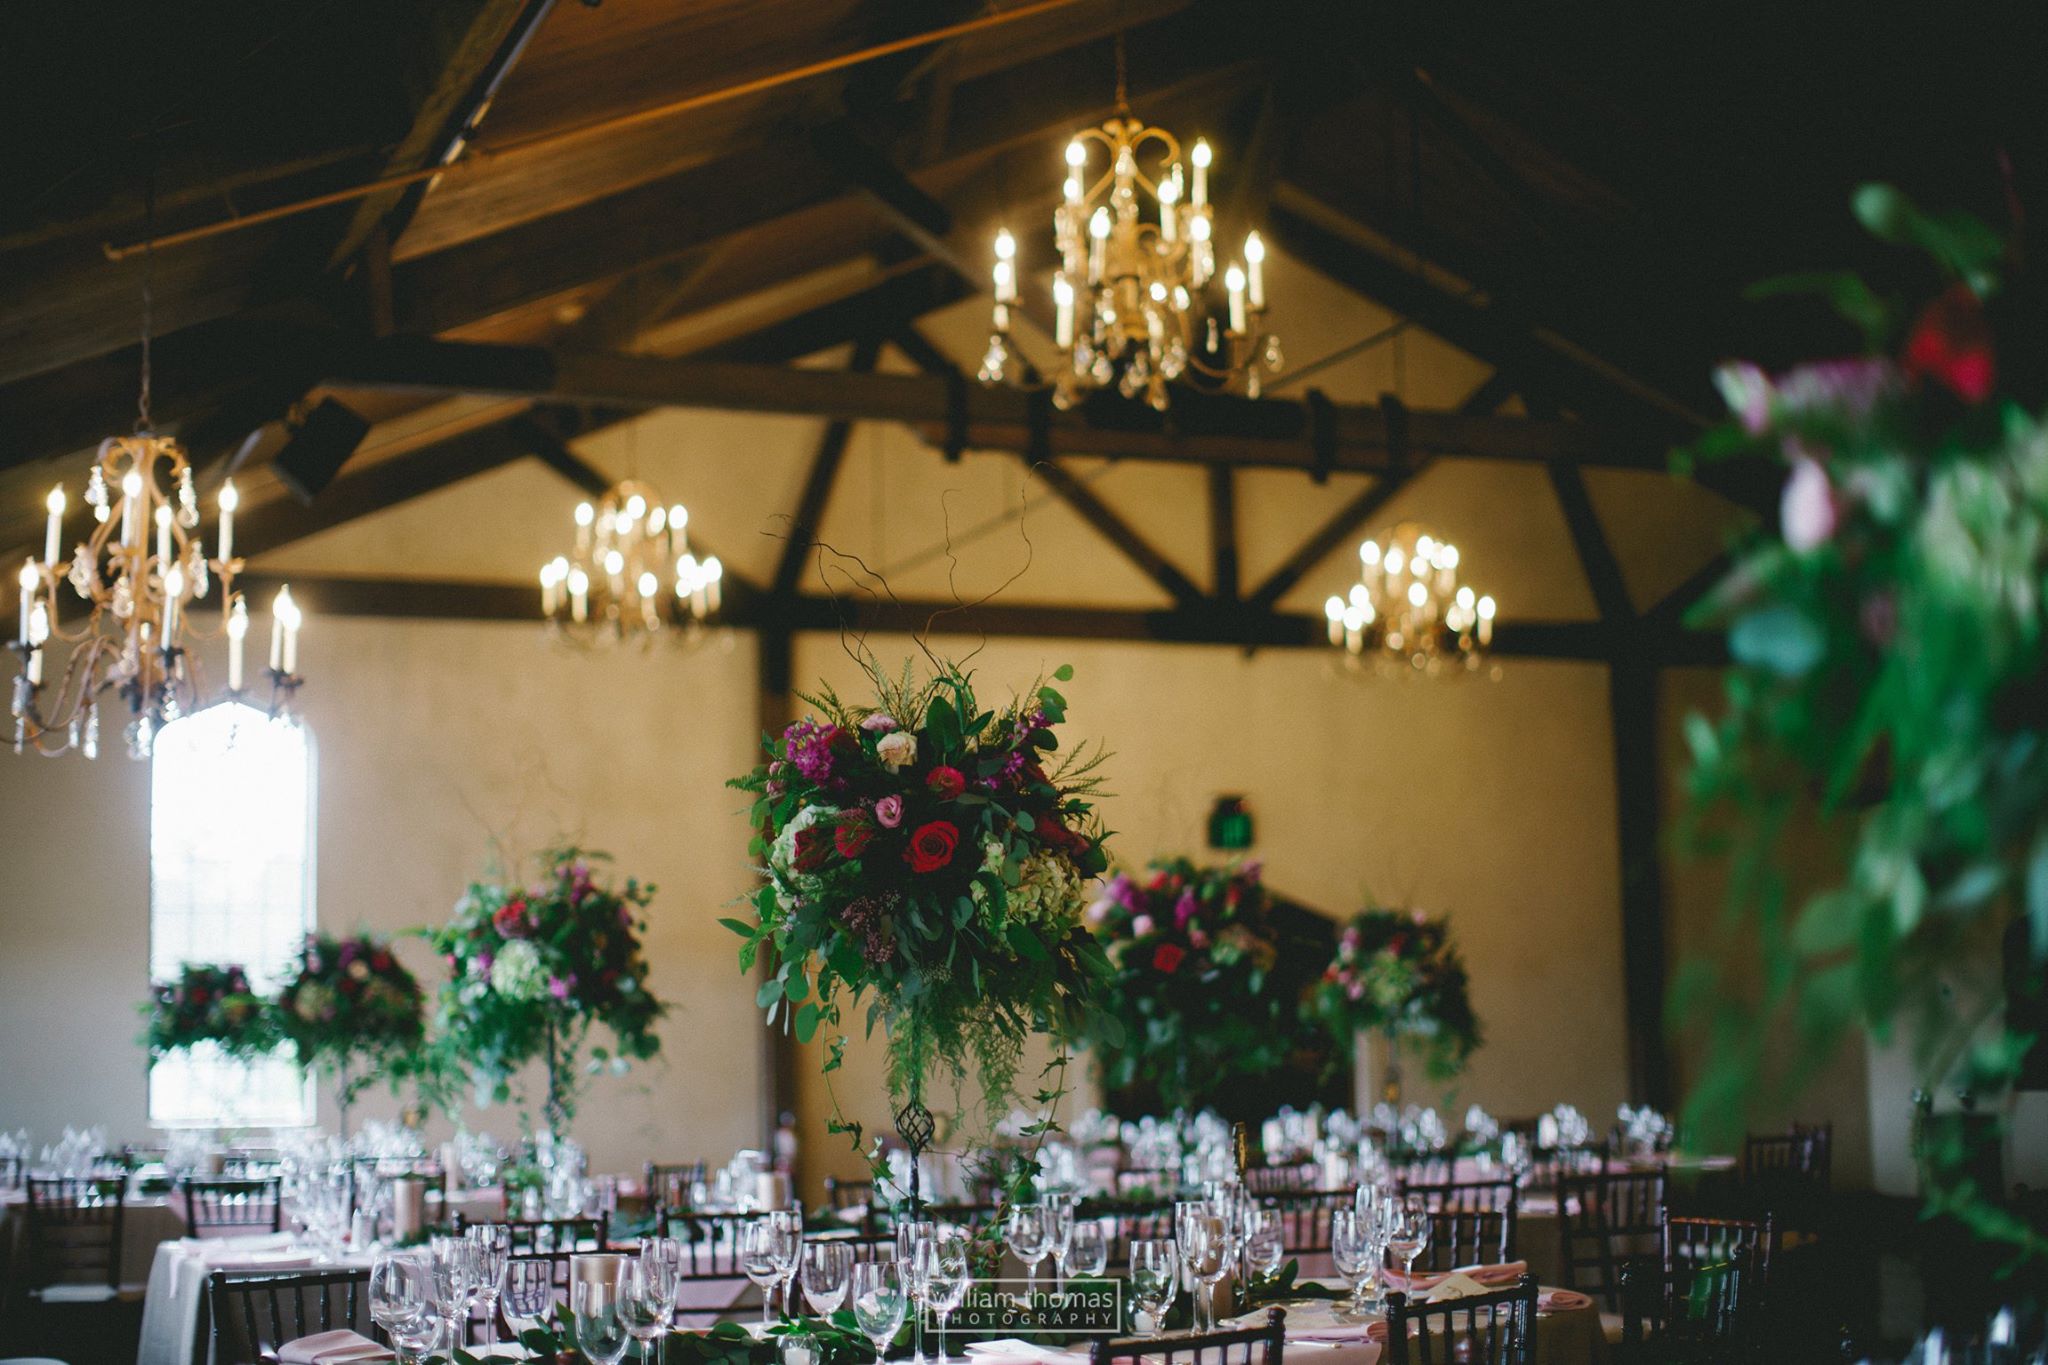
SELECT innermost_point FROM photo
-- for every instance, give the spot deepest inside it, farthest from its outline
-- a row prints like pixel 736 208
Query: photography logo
pixel 1006 1307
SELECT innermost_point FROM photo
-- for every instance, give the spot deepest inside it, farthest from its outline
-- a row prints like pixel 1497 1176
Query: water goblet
pixel 529 1291
pixel 1408 1228
pixel 1351 1252
pixel 826 1266
pixel 1265 1242
pixel 1088 1249
pixel 643 1303
pixel 597 1309
pixel 402 1302
pixel 1027 1236
pixel 759 1257
pixel 879 1302
pixel 1155 1276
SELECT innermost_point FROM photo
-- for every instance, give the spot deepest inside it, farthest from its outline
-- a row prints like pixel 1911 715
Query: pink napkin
pixel 339 1347
pixel 1341 1331
pixel 1498 1276
pixel 1561 1301
pixel 1501 1276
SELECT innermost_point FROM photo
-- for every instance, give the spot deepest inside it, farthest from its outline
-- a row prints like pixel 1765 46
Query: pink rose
pixel 1142 925
pixel 1807 511
pixel 879 724
pixel 889 812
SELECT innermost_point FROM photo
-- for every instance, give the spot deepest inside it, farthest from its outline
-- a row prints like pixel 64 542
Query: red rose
pixel 931 847
pixel 510 919
pixel 813 847
pixel 1166 957
pixel 1951 344
pixel 382 961
pixel 946 783
pixel 852 834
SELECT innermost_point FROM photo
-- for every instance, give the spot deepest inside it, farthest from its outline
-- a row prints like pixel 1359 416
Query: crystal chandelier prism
pixel 632 572
pixel 1137 300
pixel 1410 609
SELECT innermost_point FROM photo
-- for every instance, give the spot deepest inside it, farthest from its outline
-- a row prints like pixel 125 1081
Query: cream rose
pixel 897 749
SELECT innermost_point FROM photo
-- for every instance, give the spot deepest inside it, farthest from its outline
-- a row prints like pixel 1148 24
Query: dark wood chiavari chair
pixel 1554 1162
pixel 531 1236
pixel 1495 1195
pixel 1288 1178
pixel 1128 1225
pixel 256 1312
pixel 1485 1329
pixel 74 1232
pixel 1468 1237
pixel 13 1170
pixel 1788 1175
pixel 669 1183
pixel 1305 1219
pixel 849 1194
pixel 1705 1298
pixel 223 1206
pixel 1424 1170
pixel 1605 1222
pixel 1262 1345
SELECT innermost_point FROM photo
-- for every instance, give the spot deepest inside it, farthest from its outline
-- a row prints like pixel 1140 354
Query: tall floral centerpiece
pixel 1398 976
pixel 926 854
pixel 534 968
pixel 208 1003
pixel 1889 670
pixel 350 1003
pixel 1198 1003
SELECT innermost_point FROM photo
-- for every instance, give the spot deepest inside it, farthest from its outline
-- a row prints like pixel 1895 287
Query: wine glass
pixel 1155 1275
pixel 879 1302
pixel 825 1268
pixel 1088 1249
pixel 402 1302
pixel 908 1235
pixel 1351 1251
pixel 663 1257
pixel 598 1310
pixel 1027 1235
pixel 454 1268
pixel 1203 1254
pixel 490 1249
pixel 941 1271
pixel 1214 1235
pixel 1408 1227
pixel 1265 1243
pixel 789 1224
pixel 759 1257
pixel 1059 1230
pixel 529 1290
pixel 643 1302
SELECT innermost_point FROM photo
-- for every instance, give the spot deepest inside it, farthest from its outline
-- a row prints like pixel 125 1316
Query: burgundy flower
pixel 931 846
pixel 510 919
pixel 1951 344
pixel 1166 957
pixel 946 782
pixel 852 834
pixel 813 848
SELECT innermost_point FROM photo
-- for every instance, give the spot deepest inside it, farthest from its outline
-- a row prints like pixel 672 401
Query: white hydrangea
pixel 517 972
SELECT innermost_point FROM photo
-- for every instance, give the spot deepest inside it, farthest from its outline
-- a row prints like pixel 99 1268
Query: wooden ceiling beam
pixel 1596 556
pixel 1343 524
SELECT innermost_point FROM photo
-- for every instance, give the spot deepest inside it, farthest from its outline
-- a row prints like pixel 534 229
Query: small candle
pixel 238 629
pixel 1201 158
pixel 288 611
pixel 29 579
pixel 1063 312
pixel 1333 612
pixel 585 514
pixel 1486 610
pixel 229 501
pixel 579 595
pixel 277 630
pixel 174 590
pixel 1255 270
pixel 55 533
pixel 1233 280
pixel 1098 243
pixel 1006 267
pixel 131 507
pixel 714 578
pixel 163 535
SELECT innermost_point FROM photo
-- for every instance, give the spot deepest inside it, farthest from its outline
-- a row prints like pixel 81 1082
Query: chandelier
pixel 1409 609
pixel 141 574
pixel 1136 299
pixel 632 572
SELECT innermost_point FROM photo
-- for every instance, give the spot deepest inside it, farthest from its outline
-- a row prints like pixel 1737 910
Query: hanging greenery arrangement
pixel 208 1003
pixel 1397 973
pixel 351 1009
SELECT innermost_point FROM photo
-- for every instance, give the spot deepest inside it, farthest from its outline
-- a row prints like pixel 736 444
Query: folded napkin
pixel 1501 1275
pixel 1015 1351
pixel 1562 1301
pixel 1456 1286
pixel 339 1347
pixel 1316 1320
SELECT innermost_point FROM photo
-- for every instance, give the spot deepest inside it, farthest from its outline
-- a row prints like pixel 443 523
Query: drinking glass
pixel 1203 1259
pixel 664 1259
pixel 759 1248
pixel 490 1249
pixel 598 1310
pixel 529 1291
pixel 879 1302
pixel 1059 1230
pixel 1265 1243
pixel 1407 1224
pixel 1351 1251
pixel 1215 1261
pixel 825 1268
pixel 402 1302
pixel 454 1265
pixel 1155 1275
pixel 789 1225
pixel 908 1235
pixel 1026 1234
pixel 643 1303
pixel 941 1272
pixel 1088 1249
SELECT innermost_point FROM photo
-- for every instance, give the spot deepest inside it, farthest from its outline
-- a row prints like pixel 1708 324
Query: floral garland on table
pixel 208 1003
pixel 351 1000
pixel 1397 973
pixel 919 853
pixel 532 969
pixel 1195 1002
pixel 1888 669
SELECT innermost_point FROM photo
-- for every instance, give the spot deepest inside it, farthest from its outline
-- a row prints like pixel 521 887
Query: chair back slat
pixel 228 1205
pixel 256 1312
pixel 1289 1178
pixel 1261 1345
pixel 1485 1329
pixel 1606 1221
pixel 75 1226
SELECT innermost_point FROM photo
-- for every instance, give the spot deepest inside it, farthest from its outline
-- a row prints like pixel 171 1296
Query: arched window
pixel 230 880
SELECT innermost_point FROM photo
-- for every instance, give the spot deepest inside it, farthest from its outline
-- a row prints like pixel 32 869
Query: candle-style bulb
pixel 1076 154
pixel 1202 155
pixel 230 496
pixel 1006 245
pixel 56 501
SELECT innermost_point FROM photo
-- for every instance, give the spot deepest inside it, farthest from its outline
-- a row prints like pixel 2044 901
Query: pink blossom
pixel 1098 911
pixel 1184 909
pixel 1197 938
pixel 889 812
pixel 558 988
pixel 879 723
pixel 1142 925
pixel 1807 509
pixel 1356 990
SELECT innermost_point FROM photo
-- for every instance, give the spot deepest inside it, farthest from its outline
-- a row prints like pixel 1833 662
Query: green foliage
pixel 349 1001
pixel 919 856
pixel 1193 1003
pixel 531 971
pixel 208 1003
pixel 1887 689
pixel 1398 973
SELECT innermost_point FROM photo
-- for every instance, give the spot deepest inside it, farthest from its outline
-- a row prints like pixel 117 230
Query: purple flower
pixel 1185 908
pixel 1849 389
pixel 808 746
pixel 558 988
pixel 879 724
pixel 889 812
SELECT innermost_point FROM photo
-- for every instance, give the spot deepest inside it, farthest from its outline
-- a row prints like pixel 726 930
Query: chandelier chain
pixel 144 425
